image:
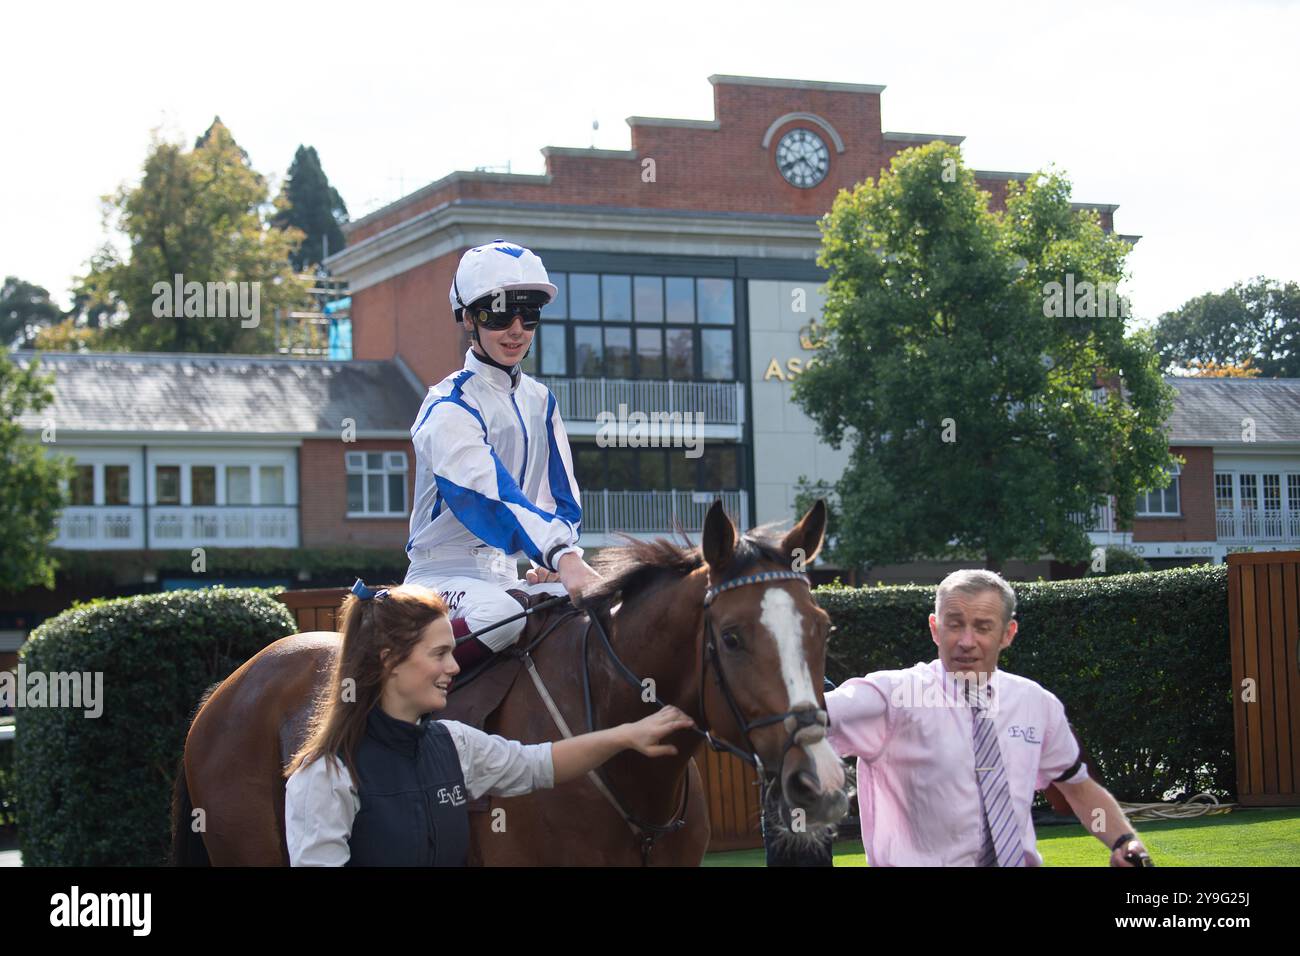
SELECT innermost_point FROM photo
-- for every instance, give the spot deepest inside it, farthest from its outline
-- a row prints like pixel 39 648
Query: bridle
pixel 795 720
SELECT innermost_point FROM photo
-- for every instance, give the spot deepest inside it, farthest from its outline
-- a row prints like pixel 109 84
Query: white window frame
pixel 1144 499
pixel 394 463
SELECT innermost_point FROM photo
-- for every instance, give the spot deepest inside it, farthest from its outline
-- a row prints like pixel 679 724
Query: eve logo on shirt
pixel 455 796
pixel 1027 734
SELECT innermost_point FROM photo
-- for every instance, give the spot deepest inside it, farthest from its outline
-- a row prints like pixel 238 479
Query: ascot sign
pixel 811 338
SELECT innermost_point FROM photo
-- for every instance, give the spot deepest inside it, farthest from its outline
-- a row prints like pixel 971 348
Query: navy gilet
pixel 412 793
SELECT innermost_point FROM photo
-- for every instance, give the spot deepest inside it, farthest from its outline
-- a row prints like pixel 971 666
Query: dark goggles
pixel 530 316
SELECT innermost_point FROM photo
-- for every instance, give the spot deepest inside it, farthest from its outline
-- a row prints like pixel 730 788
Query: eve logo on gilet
pixel 455 796
pixel 1027 734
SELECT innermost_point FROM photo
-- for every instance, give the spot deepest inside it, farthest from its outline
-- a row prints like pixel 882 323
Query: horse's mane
pixel 637 568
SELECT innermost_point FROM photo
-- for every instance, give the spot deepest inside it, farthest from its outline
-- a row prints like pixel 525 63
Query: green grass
pixel 1240 838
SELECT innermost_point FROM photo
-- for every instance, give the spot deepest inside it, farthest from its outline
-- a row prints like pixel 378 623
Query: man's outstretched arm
pixel 1101 816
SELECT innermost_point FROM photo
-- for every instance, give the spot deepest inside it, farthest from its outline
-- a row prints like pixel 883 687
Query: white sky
pixel 1183 113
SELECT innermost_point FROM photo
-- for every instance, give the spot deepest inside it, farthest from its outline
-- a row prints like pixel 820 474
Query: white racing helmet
pixel 497 266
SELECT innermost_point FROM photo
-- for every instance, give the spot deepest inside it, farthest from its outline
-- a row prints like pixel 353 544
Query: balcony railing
pixel 1101 518
pixel 1256 524
pixel 583 399
pixel 652 512
pixel 102 527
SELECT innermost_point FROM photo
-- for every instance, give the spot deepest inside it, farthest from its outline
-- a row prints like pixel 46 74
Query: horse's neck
pixel 661 645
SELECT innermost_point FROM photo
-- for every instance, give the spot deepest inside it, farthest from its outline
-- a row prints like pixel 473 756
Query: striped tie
pixel 1002 844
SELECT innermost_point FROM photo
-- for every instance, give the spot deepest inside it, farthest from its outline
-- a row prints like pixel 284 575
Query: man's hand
pixel 1134 847
pixel 576 574
pixel 541 576
pixel 644 735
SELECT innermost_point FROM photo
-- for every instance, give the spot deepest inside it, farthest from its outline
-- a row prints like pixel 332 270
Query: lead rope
pixel 644 834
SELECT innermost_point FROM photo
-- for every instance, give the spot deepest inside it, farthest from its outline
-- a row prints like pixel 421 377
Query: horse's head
pixel 766 638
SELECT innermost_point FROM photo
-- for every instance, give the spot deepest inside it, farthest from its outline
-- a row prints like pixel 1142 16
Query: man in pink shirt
pixel 951 752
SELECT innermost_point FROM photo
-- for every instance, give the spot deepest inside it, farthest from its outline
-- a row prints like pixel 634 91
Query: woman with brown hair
pixel 379 782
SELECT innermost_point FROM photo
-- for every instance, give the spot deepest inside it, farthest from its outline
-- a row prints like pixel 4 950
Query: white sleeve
pixel 561 482
pixel 452 442
pixel 497 766
pixel 320 804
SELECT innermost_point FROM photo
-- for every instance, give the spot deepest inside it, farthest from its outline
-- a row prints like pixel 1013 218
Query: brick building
pixel 677 262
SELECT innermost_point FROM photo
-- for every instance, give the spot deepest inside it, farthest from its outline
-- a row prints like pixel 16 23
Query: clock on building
pixel 802 158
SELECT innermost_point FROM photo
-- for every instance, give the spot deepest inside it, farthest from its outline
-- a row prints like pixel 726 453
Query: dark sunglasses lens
pixel 496 321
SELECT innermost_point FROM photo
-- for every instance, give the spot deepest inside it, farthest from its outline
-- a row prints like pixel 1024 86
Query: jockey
pixel 494 474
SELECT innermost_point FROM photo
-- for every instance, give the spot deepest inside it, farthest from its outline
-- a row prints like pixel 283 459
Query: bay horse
pixel 728 632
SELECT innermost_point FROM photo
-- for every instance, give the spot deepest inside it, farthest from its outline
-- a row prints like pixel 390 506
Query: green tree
pixel 1254 324
pixel 202 215
pixel 31 482
pixel 25 309
pixel 969 396
pixel 309 203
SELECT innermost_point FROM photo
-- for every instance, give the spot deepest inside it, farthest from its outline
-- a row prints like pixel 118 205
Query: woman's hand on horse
pixel 644 735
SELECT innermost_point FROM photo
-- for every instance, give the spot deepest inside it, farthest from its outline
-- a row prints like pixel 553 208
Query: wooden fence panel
pixel 1264 631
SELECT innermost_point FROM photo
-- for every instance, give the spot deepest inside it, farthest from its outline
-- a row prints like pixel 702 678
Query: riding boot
pixel 469 652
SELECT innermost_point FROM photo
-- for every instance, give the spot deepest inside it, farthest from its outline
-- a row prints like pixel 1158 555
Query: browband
pixel 713 592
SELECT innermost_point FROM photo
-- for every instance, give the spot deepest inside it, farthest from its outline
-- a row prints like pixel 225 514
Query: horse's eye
pixel 730 640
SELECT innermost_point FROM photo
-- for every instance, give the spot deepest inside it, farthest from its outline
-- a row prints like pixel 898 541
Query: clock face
pixel 802 158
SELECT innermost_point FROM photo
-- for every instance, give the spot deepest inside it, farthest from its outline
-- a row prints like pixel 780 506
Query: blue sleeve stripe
pixel 566 506
pixel 492 521
pixel 455 397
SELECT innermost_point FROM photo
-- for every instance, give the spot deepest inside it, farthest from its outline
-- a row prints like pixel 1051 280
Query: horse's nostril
pixel 807 782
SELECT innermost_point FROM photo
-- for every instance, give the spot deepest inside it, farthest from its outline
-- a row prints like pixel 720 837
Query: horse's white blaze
pixel 784 622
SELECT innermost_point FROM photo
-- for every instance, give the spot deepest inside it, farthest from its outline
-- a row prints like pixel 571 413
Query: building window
pixel 639 327
pixel 203 484
pixel 658 469
pixel 81 490
pixel 117 484
pixel 1223 491
pixel 239 485
pixel 271 484
pixel 1161 502
pixel 167 484
pixel 376 482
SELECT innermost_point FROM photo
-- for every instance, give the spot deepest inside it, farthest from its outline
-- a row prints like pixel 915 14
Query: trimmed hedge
pixel 97 791
pixel 8 788
pixel 1141 662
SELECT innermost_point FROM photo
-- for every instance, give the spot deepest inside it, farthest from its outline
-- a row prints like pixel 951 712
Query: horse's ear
pixel 719 538
pixel 807 535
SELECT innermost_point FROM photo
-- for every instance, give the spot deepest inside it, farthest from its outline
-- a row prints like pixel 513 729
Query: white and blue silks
pixel 494 480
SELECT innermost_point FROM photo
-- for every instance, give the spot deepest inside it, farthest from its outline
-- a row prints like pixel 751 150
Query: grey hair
pixel 974 581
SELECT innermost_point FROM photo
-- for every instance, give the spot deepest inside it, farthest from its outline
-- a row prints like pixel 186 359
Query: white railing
pixel 1257 524
pixel 1102 518
pixel 100 527
pixel 583 399
pixel 652 512
pixel 178 526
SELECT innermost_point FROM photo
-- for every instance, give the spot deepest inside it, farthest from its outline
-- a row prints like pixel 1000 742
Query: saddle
pixel 476 694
